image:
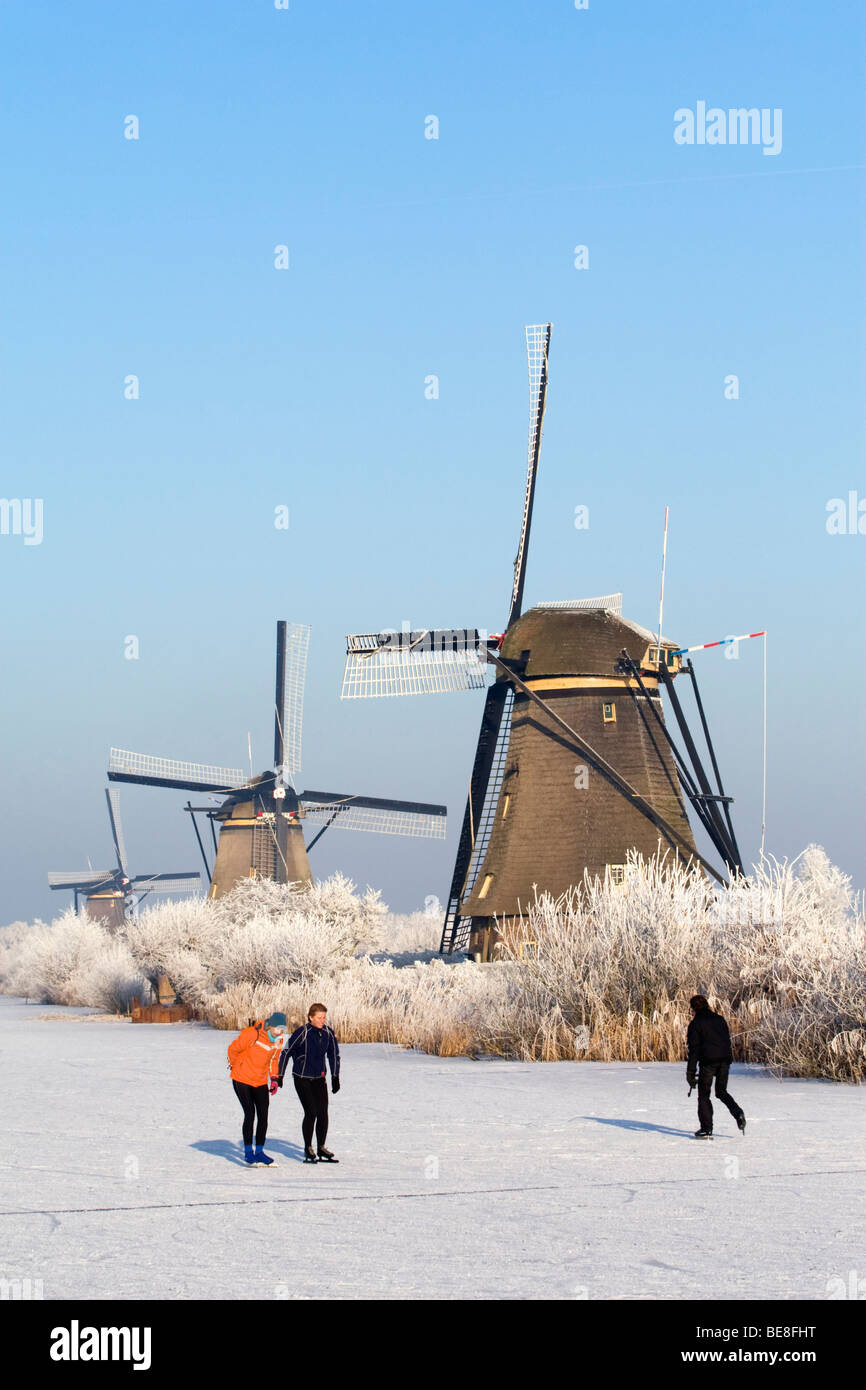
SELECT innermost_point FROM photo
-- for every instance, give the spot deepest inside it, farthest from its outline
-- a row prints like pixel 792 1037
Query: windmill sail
pixel 378 814
pixel 124 766
pixel 433 661
pixel 484 788
pixel 537 350
pixel 166 883
pixel 493 741
pixel 79 878
pixel 112 796
pixel 293 642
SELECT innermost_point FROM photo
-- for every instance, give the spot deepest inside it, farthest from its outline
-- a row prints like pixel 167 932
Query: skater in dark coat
pixel 709 1044
pixel 310 1047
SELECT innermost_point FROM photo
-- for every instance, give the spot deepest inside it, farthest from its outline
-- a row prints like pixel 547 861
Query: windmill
pixel 260 818
pixel 574 764
pixel 109 893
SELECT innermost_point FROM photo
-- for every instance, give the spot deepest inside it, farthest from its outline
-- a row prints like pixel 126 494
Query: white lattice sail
pixel 608 603
pixel 292 713
pixel 113 796
pixel 67 878
pixel 435 662
pixel 345 815
pixel 142 766
pixel 187 884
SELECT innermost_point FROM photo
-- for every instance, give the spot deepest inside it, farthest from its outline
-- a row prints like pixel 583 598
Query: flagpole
pixel 662 590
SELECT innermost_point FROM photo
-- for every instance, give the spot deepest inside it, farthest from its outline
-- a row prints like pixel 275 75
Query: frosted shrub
pixel 292 947
pixel 802 967
pixel 409 934
pixel 11 943
pixel 353 919
pixel 603 973
pixel 780 953
pixel 71 961
pixel 177 939
pixel 242 1003
pixel 108 982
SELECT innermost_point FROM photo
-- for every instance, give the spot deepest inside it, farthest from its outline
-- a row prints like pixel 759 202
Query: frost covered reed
pixel 603 973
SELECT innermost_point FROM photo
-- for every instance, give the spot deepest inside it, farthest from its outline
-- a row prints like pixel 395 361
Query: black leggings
pixel 313 1095
pixel 254 1100
pixel 718 1072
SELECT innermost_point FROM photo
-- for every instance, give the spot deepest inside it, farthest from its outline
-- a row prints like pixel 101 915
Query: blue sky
pixel 305 387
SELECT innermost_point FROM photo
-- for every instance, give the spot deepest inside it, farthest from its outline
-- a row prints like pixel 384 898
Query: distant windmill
pixel 574 766
pixel 109 893
pixel 261 817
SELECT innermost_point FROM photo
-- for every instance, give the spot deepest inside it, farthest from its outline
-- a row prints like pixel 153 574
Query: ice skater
pixel 309 1047
pixel 254 1058
pixel 709 1042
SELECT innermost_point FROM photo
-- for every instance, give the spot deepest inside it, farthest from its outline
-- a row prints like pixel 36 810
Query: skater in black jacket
pixel 710 1045
pixel 309 1047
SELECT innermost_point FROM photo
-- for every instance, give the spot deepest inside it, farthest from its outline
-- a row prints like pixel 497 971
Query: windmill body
pixel 574 766
pixel 261 819
pixel 556 814
pixel 259 836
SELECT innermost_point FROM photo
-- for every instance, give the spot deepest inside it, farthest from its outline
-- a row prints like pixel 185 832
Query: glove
pixel 691 1084
pixel 273 1086
pixel 335 1084
pixel 280 1080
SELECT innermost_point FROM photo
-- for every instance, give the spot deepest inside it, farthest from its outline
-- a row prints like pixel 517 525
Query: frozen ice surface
pixel 122 1176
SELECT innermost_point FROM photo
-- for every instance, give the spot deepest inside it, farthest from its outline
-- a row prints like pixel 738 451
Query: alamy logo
pixel 22 516
pixel 76 1343
pixel 737 126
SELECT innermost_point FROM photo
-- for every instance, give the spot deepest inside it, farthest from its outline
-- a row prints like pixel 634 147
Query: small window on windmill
pixel 528 950
pixel 653 656
pixel 608 712
pixel 617 874
pixel 485 887
pixel 506 801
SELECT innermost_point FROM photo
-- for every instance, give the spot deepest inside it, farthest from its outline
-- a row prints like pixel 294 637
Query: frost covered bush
pixel 71 960
pixel 179 940
pixel 350 919
pixel 802 967
pixel 410 934
pixel 293 932
pixel 603 973
pixel 439 1008
pixel 780 953
pixel 109 982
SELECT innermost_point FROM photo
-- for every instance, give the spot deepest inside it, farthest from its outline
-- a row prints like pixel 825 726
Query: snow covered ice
pixel 123 1176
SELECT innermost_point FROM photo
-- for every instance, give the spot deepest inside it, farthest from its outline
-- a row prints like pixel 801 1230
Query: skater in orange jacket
pixel 254 1062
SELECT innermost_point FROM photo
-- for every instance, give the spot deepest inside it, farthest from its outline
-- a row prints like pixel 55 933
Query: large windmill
pixel 261 818
pixel 574 765
pixel 109 893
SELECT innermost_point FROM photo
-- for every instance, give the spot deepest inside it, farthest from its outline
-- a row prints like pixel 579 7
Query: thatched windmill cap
pixel 568 640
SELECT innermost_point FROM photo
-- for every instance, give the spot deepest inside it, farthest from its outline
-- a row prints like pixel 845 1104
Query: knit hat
pixel 276 1021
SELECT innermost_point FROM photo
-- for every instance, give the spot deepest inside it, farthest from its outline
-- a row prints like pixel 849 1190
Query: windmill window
pixel 617 873
pixel 505 805
pixel 608 712
pixel 485 887
pixel 528 950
